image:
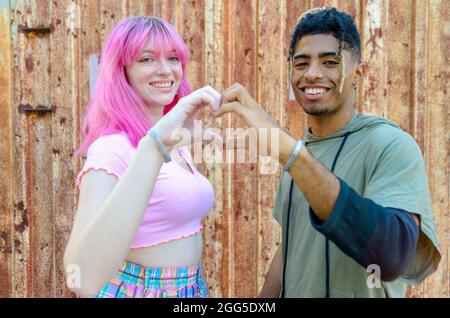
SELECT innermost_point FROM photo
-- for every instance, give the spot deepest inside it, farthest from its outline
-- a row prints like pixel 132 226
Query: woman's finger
pixel 216 95
pixel 198 99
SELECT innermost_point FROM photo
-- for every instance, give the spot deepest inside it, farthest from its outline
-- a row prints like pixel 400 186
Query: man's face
pixel 316 75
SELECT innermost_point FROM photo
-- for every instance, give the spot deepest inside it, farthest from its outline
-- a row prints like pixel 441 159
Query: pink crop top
pixel 180 199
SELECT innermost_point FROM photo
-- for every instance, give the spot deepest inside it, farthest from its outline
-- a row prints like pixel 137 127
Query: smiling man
pixel 353 200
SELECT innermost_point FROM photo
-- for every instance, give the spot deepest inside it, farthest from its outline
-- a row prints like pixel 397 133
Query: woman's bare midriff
pixel 179 252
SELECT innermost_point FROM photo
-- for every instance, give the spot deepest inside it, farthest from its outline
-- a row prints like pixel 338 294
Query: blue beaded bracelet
pixel 294 155
pixel 161 147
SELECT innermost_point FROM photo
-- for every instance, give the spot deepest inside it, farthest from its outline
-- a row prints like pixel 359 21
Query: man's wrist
pixel 287 145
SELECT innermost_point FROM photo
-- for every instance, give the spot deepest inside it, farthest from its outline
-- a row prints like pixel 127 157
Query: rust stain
pixel 374 35
pixel 21 227
pixel 29 64
pixel 4 246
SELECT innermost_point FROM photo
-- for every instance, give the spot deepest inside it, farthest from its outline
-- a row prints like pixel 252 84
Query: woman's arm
pixel 110 213
pixel 108 216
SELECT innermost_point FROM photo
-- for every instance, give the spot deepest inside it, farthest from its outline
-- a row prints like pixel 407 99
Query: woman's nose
pixel 164 66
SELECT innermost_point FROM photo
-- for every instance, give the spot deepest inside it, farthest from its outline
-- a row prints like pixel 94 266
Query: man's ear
pixel 361 71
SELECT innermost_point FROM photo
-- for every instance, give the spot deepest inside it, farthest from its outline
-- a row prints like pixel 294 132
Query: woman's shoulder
pixel 117 142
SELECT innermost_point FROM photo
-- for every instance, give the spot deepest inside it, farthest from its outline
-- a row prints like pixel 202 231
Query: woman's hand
pixel 177 126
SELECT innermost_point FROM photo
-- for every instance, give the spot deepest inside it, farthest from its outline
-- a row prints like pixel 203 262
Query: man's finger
pixel 238 93
pixel 232 93
pixel 233 107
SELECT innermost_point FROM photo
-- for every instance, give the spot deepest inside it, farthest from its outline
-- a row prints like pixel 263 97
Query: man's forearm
pixel 272 284
pixel 319 186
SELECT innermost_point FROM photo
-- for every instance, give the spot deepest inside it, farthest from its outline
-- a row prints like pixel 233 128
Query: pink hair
pixel 115 106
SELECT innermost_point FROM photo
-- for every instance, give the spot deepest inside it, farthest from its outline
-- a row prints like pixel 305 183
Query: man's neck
pixel 323 126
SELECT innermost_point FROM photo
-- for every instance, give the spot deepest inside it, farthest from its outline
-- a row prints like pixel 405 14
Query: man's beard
pixel 320 111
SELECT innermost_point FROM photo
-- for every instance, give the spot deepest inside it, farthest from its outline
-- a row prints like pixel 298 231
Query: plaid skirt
pixel 136 281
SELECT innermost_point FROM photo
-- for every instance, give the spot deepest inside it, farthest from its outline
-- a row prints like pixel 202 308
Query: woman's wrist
pixel 162 148
pixel 150 145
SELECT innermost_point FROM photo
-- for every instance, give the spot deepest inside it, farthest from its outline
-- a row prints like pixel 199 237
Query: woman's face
pixel 156 77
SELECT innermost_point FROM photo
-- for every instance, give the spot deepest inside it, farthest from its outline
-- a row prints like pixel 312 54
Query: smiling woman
pixel 128 65
pixel 156 75
pixel 130 237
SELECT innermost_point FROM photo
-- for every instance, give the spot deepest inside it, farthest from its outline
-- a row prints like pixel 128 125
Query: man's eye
pixel 300 65
pixel 331 63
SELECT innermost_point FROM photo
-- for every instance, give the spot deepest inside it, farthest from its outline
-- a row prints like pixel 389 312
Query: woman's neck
pixel 154 113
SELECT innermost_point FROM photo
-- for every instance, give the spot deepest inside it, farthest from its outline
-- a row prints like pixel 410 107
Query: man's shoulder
pixel 388 133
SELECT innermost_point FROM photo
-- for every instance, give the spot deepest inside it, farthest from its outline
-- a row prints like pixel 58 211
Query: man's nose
pixel 313 72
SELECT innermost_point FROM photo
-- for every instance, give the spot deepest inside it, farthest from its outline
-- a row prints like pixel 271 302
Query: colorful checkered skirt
pixel 136 281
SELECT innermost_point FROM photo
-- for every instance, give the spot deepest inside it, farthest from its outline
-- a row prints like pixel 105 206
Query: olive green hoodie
pixel 380 162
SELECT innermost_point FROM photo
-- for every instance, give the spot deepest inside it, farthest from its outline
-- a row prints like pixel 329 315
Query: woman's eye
pixel 174 59
pixel 146 59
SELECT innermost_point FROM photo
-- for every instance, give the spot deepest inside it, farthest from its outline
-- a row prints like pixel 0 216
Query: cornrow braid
pixel 341 57
pixel 342 66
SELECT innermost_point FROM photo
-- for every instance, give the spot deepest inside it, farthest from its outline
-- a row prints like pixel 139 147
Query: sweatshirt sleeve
pixel 370 233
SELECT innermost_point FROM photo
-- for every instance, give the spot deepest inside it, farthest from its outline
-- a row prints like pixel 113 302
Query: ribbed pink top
pixel 180 199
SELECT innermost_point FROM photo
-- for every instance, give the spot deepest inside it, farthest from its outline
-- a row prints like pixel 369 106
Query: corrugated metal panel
pixel 6 155
pixel 405 43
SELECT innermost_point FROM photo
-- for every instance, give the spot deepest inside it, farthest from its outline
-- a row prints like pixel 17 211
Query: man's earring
pixel 354 85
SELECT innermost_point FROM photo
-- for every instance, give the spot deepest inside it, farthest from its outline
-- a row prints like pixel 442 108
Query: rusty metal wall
pixel 405 43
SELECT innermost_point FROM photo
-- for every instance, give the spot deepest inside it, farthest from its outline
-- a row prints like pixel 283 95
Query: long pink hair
pixel 115 107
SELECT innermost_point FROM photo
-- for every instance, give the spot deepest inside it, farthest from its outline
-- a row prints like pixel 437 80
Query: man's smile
pixel 314 92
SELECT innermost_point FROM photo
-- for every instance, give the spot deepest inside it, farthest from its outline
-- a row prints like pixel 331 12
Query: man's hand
pixel 236 99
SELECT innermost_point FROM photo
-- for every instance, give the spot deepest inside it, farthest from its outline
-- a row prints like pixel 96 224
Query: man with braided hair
pixel 353 200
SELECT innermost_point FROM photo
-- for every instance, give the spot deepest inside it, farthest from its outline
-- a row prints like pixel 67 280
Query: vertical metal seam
pixel 257 164
pixel 413 80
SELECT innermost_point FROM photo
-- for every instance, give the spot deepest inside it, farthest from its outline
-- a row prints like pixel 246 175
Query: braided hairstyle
pixel 325 20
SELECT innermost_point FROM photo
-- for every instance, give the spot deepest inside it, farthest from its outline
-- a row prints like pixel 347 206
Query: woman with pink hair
pixel 137 230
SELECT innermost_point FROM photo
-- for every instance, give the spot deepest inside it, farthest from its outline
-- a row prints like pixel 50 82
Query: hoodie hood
pixel 361 122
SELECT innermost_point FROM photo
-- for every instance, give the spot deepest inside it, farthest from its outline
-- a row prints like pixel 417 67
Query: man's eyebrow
pixel 325 54
pixel 321 55
pixel 300 56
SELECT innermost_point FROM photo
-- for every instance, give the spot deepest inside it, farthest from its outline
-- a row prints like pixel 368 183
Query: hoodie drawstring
pixel 327 257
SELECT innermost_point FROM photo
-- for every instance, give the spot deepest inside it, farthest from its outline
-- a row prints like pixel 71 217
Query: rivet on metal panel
pixel 40 29
pixel 40 109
